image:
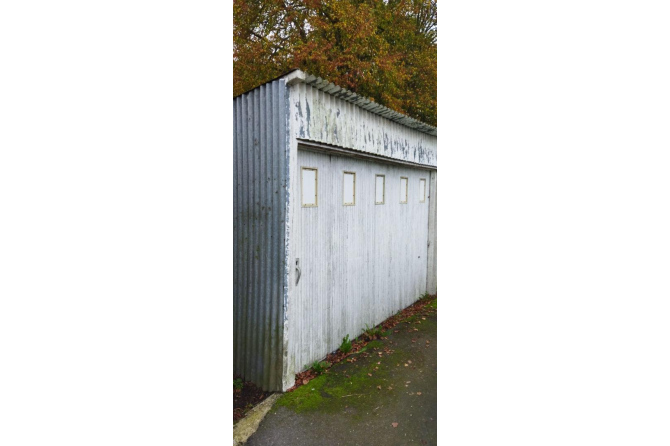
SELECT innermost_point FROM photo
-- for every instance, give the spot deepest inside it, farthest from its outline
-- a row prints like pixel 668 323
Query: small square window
pixel 309 185
pixel 422 190
pixel 403 190
pixel 349 189
pixel 380 193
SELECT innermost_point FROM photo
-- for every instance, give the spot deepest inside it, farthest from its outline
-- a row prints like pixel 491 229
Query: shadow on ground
pixel 359 402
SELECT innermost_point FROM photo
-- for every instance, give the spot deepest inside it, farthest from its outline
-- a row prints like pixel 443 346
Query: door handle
pixel 297 268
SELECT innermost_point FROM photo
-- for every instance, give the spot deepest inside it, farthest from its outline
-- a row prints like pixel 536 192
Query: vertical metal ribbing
pixel 259 151
pixel 250 226
pixel 261 246
pixel 254 296
pixel 266 155
pixel 273 224
pixel 267 244
pixel 260 298
pixel 237 256
pixel 247 224
pixel 235 233
pixel 242 209
pixel 276 344
pixel 284 153
pixel 251 283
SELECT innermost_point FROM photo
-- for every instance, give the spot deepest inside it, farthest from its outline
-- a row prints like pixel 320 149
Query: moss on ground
pixel 348 385
pixel 354 385
pixel 374 344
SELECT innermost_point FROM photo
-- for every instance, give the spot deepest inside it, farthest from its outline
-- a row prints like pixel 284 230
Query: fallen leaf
pixel 418 393
pixel 408 382
pixel 390 388
pixel 405 365
pixel 409 362
pixel 379 387
pixel 394 424
pixel 379 363
pixel 305 381
pixel 369 374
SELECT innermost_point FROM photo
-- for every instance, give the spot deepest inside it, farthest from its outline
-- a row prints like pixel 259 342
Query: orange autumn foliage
pixel 383 50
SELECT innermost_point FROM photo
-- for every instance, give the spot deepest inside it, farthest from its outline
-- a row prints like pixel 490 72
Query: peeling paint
pixel 267 124
pixel 332 120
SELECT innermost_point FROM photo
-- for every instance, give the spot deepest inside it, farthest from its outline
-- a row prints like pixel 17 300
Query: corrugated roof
pixel 296 75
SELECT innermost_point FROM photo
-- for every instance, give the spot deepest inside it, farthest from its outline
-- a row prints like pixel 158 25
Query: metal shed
pixel 335 205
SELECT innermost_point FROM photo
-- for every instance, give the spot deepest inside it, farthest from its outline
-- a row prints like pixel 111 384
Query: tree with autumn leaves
pixel 385 50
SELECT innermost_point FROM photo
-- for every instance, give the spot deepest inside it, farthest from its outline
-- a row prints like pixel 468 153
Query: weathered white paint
pixel 431 281
pixel 359 264
pixel 318 116
pixel 361 102
pixel 340 246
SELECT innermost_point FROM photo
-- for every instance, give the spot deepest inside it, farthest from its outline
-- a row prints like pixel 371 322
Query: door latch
pixel 297 268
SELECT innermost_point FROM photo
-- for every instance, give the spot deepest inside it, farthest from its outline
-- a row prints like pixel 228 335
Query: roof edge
pixel 296 76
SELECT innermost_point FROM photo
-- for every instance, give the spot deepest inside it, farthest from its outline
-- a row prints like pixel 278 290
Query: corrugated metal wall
pixel 364 276
pixel 259 241
pixel 360 264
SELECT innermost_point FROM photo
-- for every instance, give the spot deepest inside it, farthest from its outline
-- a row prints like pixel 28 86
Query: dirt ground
pixel 246 398
pixel 384 394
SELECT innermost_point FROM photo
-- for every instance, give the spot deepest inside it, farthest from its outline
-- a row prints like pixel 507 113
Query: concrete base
pixel 248 425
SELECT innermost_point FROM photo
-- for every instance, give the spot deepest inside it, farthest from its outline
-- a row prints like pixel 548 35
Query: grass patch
pixel 320 366
pixel 371 333
pixel 345 347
